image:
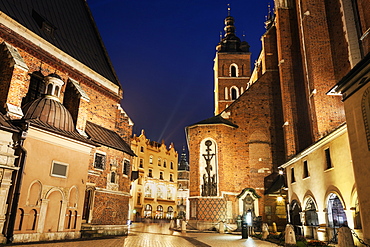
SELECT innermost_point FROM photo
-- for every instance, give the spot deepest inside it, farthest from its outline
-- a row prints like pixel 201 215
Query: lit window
pixel 151 160
pixel 59 170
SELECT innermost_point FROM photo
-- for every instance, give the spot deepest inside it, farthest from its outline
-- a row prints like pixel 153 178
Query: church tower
pixel 231 67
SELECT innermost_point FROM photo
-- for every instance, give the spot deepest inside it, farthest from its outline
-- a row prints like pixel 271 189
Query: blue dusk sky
pixel 163 54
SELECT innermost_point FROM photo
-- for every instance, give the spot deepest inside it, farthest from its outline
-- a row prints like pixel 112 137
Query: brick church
pixel 64 133
pixel 265 117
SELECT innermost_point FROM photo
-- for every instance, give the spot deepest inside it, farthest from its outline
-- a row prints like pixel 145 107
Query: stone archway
pixel 295 217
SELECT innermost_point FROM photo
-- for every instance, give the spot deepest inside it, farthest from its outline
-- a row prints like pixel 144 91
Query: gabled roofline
pixel 39 42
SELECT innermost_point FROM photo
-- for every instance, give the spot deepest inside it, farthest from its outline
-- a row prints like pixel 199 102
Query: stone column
pixel 62 216
pixel 42 215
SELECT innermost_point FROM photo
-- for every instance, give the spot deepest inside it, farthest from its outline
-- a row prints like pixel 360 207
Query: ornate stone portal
pixel 209 187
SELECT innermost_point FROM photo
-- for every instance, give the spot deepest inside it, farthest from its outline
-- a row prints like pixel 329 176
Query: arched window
pixel 148 211
pixel 75 221
pixel 87 204
pixel 49 90
pixel 169 212
pixel 336 215
pixel 159 213
pixel 56 91
pixel 113 177
pixel 234 94
pixel 19 220
pixel 32 219
pixel 295 216
pixel 311 214
pixel 151 160
pixel 69 219
pixel 233 71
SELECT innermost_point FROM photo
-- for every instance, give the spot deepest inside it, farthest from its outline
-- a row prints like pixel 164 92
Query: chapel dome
pixel 50 111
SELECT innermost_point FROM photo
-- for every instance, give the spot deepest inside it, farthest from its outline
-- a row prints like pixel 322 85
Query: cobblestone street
pixel 159 235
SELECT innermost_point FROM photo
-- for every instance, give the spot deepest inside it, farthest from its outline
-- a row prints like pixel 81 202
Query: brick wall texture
pixel 101 109
pixel 305 52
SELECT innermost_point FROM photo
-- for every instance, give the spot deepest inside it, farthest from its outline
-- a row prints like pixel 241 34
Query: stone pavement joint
pixel 157 235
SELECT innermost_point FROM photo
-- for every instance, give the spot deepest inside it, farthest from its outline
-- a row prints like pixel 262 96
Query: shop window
pixel 148 211
pixel 159 212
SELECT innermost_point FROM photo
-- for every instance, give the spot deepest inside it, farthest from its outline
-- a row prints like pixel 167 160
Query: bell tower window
pixel 234 70
pixel 49 90
pixel 233 94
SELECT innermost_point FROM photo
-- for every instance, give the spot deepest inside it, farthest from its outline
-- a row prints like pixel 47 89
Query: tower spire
pixel 228 9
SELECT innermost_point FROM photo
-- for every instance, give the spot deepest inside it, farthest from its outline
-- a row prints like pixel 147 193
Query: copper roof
pixel 107 138
pixel 70 134
pixel 6 125
pixel 216 120
pixel 49 110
